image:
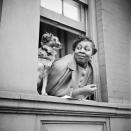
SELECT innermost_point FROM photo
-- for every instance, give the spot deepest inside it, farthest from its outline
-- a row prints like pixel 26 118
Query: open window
pixel 66 19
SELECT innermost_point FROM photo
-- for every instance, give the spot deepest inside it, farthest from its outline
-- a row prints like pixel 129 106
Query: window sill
pixel 36 104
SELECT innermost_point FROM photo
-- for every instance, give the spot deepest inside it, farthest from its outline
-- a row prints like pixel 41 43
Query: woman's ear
pixel 94 51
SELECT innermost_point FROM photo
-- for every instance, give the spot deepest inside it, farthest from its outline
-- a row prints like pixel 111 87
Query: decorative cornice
pixel 49 105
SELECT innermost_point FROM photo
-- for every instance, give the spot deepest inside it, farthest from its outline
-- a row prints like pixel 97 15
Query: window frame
pixel 58 20
pixel 1 3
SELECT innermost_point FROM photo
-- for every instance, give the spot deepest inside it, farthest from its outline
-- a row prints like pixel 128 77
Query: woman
pixel 74 74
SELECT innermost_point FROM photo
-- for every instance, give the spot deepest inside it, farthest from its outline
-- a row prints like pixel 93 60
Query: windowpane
pixel 54 5
pixel 71 10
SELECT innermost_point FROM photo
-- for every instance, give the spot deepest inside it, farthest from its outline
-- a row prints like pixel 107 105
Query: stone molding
pixel 50 105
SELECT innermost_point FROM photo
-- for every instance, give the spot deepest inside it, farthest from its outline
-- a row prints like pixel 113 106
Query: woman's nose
pixel 82 50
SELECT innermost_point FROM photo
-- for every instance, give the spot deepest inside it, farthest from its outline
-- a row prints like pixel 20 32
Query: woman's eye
pixel 79 47
pixel 87 49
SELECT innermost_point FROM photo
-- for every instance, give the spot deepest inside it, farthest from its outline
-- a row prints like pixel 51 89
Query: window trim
pixel 59 25
pixel 1 3
pixel 92 32
pixel 62 19
pixel 85 2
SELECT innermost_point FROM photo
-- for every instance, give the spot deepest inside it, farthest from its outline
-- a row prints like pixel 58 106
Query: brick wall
pixel 114 47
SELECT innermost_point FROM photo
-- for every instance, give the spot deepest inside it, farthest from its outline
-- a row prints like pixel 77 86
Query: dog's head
pixel 51 41
pixel 46 52
pixel 49 45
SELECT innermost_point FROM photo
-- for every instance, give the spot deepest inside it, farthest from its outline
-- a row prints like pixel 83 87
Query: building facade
pixel 22 22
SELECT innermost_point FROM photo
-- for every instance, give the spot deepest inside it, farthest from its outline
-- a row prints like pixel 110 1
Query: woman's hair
pixel 84 38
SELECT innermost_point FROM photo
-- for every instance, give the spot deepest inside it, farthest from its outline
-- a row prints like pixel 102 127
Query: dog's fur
pixel 46 56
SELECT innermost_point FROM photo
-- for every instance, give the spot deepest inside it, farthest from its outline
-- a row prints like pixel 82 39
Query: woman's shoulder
pixel 60 65
pixel 64 61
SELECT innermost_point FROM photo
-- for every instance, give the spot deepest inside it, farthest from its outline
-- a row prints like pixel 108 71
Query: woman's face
pixel 83 52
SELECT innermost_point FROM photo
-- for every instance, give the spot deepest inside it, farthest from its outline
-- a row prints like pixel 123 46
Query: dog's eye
pixel 44 49
pixel 49 53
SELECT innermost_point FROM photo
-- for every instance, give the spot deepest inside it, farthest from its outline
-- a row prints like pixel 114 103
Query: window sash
pixel 80 26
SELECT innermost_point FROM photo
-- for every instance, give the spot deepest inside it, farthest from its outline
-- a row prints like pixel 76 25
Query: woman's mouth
pixel 81 56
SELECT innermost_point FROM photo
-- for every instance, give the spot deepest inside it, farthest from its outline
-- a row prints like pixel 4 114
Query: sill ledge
pixel 51 105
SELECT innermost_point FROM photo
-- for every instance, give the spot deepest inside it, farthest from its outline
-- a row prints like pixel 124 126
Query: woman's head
pixel 84 38
pixel 83 49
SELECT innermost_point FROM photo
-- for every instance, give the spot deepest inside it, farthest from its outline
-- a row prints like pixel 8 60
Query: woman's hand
pixel 84 91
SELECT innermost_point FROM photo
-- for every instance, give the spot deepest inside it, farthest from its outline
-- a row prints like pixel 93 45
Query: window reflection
pixel 68 8
pixel 71 10
pixel 54 5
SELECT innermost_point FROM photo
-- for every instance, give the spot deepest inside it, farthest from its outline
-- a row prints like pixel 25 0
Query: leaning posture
pixel 74 75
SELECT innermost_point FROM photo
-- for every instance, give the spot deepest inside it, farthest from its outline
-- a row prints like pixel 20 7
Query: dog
pixel 46 56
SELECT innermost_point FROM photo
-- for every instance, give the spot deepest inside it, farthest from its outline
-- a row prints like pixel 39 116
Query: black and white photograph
pixel 65 65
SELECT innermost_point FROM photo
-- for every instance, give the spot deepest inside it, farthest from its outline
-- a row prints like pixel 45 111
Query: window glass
pixel 68 8
pixel 71 10
pixel 54 5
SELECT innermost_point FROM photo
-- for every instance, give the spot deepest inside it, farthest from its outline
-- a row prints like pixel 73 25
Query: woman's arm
pixel 84 92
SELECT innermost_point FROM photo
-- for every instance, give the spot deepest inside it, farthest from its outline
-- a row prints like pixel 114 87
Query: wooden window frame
pixel 75 27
